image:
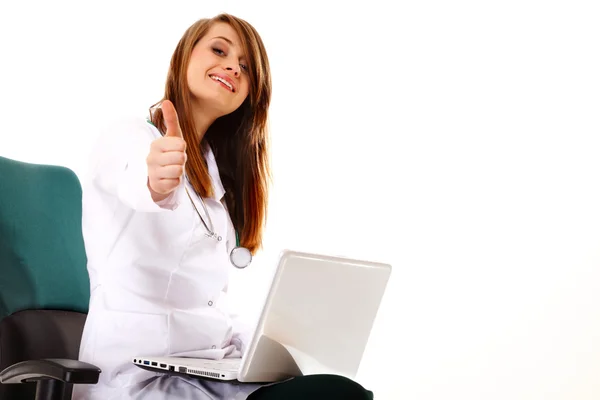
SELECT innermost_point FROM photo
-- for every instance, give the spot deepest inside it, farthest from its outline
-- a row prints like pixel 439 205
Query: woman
pixel 168 199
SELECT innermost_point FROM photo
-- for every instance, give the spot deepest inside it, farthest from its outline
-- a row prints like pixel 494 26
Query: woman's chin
pixel 218 103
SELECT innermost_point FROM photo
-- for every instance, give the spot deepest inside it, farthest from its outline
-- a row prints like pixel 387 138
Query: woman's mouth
pixel 223 82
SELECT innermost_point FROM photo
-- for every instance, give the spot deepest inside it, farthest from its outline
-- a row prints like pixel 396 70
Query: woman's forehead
pixel 225 32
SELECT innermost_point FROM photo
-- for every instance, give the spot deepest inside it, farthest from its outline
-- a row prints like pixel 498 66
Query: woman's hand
pixel 167 157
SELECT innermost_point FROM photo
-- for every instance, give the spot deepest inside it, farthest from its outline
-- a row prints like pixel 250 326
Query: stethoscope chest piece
pixel 240 257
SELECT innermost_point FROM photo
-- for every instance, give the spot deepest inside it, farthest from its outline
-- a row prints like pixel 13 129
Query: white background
pixel 457 140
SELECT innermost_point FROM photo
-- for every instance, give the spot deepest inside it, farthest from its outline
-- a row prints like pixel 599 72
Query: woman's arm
pixel 119 166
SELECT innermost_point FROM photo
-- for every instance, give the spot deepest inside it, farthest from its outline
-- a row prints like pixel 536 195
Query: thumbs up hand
pixel 167 157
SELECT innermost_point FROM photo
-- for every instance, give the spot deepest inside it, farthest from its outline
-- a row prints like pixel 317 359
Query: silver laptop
pixel 317 318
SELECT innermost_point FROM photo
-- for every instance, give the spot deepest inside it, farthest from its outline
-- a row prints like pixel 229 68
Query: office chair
pixel 44 285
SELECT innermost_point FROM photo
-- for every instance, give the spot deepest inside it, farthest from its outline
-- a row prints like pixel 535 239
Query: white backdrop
pixel 456 140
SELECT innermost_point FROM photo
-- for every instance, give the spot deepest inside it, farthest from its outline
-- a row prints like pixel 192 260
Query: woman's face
pixel 217 74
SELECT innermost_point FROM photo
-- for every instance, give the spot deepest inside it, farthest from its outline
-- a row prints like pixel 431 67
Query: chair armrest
pixel 68 371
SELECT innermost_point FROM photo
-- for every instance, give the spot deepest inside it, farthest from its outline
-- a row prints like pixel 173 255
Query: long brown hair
pixel 239 140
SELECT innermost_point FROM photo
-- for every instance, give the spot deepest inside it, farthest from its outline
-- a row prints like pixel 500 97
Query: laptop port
pixel 146 362
pixel 163 365
pixel 183 370
pixel 171 368
pixel 154 363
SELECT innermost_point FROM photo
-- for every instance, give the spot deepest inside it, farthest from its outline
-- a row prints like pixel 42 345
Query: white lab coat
pixel 158 283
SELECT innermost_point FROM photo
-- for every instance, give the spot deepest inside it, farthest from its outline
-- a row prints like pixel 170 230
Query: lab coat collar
pixel 213 171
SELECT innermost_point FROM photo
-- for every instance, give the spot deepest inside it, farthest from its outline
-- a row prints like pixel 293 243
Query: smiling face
pixel 217 73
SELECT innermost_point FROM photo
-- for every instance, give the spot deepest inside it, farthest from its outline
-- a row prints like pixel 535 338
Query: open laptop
pixel 317 318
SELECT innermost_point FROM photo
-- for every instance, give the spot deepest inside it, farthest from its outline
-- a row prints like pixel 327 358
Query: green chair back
pixel 42 255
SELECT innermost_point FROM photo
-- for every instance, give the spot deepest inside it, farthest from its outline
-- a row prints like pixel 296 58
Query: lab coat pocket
pixel 124 335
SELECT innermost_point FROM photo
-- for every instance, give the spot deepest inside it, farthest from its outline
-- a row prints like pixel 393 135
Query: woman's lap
pixel 314 387
pixel 311 387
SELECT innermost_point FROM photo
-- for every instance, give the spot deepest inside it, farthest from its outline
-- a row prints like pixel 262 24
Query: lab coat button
pixel 214 347
pixel 210 303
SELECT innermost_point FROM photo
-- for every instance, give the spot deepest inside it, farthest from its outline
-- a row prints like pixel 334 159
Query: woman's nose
pixel 236 70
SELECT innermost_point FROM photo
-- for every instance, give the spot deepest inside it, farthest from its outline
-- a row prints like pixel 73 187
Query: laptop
pixel 317 318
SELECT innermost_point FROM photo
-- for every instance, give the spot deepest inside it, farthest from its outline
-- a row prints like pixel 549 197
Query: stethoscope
pixel 240 257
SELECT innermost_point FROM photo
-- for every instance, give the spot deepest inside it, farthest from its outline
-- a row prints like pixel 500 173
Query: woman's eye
pixel 244 67
pixel 218 51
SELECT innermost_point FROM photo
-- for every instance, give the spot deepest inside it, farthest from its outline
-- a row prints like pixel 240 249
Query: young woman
pixel 171 202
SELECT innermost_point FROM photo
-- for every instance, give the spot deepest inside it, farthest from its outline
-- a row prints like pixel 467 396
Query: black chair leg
pixel 49 389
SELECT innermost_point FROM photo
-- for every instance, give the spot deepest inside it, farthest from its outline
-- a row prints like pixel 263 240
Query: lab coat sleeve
pixel 118 166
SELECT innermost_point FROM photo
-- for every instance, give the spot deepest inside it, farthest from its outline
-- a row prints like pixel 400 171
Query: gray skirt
pixel 186 388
